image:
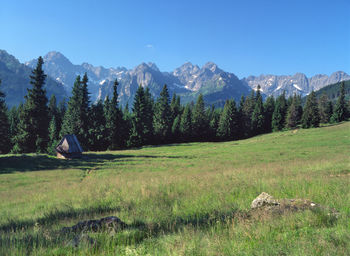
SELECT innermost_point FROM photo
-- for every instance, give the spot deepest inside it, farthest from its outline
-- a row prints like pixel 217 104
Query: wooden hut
pixel 69 147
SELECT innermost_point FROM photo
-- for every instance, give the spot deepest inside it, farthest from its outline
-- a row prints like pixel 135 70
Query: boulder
pixel 264 199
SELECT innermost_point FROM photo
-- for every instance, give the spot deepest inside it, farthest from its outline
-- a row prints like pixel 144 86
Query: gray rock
pixel 262 200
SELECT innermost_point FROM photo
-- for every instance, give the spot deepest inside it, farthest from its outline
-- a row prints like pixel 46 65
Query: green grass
pixel 185 199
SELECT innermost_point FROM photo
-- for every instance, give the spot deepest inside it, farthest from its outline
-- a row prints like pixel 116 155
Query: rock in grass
pixel 110 223
pixel 264 199
pixel 265 203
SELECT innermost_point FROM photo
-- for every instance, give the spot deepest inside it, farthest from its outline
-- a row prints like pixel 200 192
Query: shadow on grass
pixel 32 162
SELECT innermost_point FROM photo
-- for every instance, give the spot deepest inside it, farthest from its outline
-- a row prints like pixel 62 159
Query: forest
pixel 38 124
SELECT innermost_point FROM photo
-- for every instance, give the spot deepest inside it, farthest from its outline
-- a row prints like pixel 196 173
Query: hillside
pixel 185 199
pixel 15 80
pixel 333 90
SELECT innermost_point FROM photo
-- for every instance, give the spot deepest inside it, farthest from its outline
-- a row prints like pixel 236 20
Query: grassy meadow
pixel 183 199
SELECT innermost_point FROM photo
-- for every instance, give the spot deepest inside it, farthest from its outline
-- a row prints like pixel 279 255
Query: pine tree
pixel 228 124
pixel 247 112
pixel 139 124
pixel 13 116
pixel 148 117
pixel 97 128
pixel 258 116
pixel 311 117
pixel 340 109
pixel 5 143
pixel 293 113
pixel 213 115
pixel 72 122
pixel 162 120
pixel 175 129
pixel 114 121
pixel 186 124
pixel 34 120
pixel 53 136
pixel 175 106
pixel 269 107
pixel 279 113
pixel 54 125
pixel 326 109
pixel 84 113
pixel 199 120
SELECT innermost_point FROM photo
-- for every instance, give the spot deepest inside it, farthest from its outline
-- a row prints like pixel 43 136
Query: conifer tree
pixel 186 124
pixel 311 116
pixel 72 122
pixel 213 116
pixel 241 117
pixel 84 112
pixel 114 120
pixel 269 107
pixel 148 118
pixel 340 109
pixel 5 143
pixel 199 120
pixel 34 120
pixel 13 116
pixel 53 136
pixel 258 116
pixel 162 120
pixel 97 128
pixel 247 112
pixel 228 124
pixel 139 128
pixel 293 113
pixel 175 129
pixel 175 106
pixel 279 113
pixel 326 109
pixel 76 117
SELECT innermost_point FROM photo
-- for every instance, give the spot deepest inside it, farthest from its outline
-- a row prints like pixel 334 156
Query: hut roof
pixel 69 144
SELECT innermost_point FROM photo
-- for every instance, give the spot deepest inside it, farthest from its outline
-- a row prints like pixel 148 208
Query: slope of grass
pixel 186 199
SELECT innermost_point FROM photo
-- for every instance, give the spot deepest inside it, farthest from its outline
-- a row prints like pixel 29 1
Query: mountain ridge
pixel 188 80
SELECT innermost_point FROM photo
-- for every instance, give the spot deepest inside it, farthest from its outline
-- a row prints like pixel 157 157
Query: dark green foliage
pixel 199 120
pixel 13 116
pixel 340 109
pixel 53 136
pixel 186 124
pixel 175 129
pixel 228 124
pixel 114 121
pixel 326 109
pixel 247 109
pixel 76 117
pixel 34 120
pixel 269 107
pixel 294 112
pixel 258 116
pixel 5 143
pixel 141 129
pixel 279 113
pixel 311 116
pixel 213 115
pixel 162 120
pixel 97 128
pixel 148 117
pixel 84 113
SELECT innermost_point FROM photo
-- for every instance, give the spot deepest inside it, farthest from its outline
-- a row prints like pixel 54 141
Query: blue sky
pixel 242 37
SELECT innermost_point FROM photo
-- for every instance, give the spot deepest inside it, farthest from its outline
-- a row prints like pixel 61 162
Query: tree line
pixel 38 124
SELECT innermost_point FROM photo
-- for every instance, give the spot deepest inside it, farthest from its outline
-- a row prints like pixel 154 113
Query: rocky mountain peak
pixel 211 66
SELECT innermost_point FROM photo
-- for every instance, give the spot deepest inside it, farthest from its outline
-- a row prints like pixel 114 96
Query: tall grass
pixel 186 199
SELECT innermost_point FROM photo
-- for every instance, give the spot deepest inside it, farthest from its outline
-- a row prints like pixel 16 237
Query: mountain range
pixel 188 80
